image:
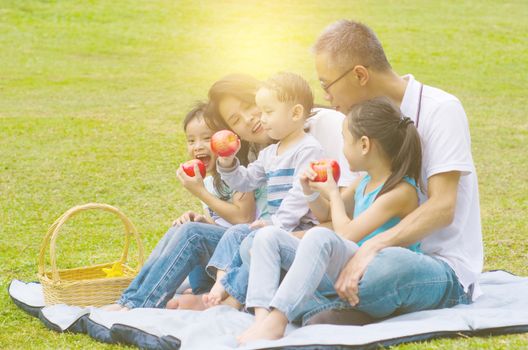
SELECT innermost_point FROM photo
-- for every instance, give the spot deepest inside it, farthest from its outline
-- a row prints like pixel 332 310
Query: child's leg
pixel 224 258
pixel 320 258
pixel 226 249
pixel 217 292
pixel 271 328
pixel 320 251
pixel 236 278
pixel 272 249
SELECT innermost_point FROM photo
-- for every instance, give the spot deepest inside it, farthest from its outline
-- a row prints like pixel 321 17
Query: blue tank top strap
pixel 410 181
pixel 360 190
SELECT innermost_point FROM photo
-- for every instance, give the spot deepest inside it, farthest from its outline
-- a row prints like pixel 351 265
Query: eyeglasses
pixel 325 87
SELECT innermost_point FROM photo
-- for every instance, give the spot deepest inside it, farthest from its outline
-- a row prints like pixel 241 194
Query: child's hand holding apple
pixel 225 144
pixel 191 174
pixel 320 179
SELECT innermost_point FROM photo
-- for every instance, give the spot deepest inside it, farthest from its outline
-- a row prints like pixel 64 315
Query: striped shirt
pixel 286 203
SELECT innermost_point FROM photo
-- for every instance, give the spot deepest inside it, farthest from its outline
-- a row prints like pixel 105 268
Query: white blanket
pixel 502 309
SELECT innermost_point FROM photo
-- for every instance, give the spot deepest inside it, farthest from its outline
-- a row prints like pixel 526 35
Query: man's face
pixel 345 92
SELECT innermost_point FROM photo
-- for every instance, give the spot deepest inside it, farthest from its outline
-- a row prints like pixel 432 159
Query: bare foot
pixel 172 304
pixel 216 295
pixel 260 315
pixel 231 301
pixel 114 307
pixel 187 302
pixel 271 328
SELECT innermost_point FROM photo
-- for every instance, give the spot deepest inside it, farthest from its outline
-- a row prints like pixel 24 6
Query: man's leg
pixel 191 244
pixel 399 281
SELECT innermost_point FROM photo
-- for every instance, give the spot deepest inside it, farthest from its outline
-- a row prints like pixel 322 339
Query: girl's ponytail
pixel 408 159
pixel 380 120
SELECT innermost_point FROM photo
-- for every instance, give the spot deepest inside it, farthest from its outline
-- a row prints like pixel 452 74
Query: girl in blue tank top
pixel 378 140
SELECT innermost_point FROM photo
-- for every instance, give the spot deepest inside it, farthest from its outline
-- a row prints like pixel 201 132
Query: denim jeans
pixel 272 249
pixel 200 281
pixel 227 257
pixel 226 253
pixel 175 256
pixel 396 281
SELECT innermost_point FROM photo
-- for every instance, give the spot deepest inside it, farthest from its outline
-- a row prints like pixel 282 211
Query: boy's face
pixel 277 117
pixel 198 137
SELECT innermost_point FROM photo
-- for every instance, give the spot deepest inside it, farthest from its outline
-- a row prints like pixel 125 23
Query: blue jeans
pixel 226 253
pixel 227 257
pixel 200 281
pixel 397 280
pixel 179 252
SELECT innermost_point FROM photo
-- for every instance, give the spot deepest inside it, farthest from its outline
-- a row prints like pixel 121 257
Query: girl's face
pixel 352 149
pixel 198 137
pixel 244 120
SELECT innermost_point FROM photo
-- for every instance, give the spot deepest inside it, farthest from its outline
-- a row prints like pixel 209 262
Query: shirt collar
pixel 409 104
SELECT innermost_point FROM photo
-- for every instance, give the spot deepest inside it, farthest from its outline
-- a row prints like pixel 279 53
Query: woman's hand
pixel 326 188
pixel 193 184
pixel 189 216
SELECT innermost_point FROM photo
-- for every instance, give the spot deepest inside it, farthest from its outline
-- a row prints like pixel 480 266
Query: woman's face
pixel 244 120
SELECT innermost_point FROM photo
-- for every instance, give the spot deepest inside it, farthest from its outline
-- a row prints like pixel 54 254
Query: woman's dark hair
pixel 197 112
pixel 380 120
pixel 240 86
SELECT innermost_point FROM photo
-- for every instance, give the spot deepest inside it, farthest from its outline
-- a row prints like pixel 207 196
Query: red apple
pixel 224 143
pixel 320 168
pixel 188 167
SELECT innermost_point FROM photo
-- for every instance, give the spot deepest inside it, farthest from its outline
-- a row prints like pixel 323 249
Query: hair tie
pixel 404 121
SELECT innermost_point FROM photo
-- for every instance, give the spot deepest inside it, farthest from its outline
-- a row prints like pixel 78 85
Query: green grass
pixel 92 96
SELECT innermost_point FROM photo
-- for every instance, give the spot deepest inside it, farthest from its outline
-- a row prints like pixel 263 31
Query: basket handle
pixel 53 232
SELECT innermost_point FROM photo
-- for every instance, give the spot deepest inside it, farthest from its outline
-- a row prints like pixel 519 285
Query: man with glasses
pixel 382 279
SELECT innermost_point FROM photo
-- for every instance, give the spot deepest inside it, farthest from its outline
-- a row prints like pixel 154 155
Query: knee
pixel 268 236
pixel 237 232
pixel 320 238
pixel 391 265
pixel 188 230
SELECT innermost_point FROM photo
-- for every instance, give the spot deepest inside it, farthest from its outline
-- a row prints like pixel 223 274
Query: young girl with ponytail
pixel 378 140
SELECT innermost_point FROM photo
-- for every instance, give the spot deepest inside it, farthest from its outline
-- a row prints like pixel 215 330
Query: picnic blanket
pixel 503 309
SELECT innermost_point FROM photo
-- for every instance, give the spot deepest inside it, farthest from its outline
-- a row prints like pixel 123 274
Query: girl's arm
pixel 399 202
pixel 240 211
pixel 320 207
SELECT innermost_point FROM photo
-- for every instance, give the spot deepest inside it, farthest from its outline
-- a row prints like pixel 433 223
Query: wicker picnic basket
pixel 86 286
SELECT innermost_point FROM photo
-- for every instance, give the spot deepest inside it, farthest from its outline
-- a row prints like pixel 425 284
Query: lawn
pixel 92 96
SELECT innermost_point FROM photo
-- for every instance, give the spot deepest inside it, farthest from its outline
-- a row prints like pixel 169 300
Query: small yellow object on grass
pixel 115 271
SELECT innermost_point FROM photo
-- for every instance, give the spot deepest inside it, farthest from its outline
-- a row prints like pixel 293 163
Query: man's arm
pixel 437 212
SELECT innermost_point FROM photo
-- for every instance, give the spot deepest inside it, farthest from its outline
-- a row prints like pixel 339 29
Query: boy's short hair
pixel 350 43
pixel 290 87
